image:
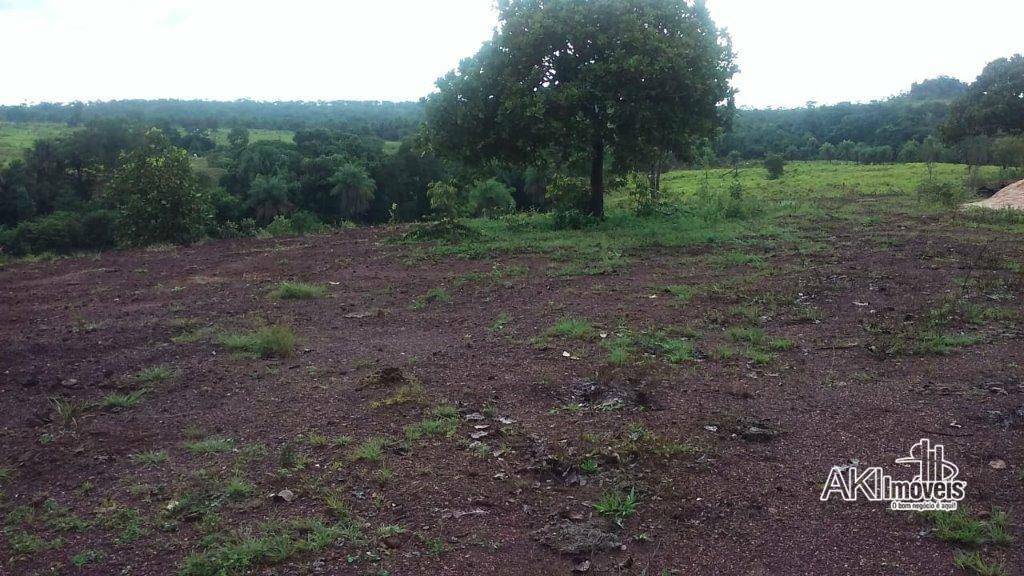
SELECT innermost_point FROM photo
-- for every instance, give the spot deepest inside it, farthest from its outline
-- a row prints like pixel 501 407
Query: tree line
pixel 566 101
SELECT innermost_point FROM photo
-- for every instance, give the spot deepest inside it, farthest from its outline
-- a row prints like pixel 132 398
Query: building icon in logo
pixel 931 461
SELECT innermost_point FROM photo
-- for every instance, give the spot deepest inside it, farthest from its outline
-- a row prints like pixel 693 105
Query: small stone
pixel 997 464
pixel 758 434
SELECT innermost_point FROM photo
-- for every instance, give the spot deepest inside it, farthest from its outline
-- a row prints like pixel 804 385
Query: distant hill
pixel 912 115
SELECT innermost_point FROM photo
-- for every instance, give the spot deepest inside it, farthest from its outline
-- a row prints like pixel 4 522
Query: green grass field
pixel 220 136
pixel 16 138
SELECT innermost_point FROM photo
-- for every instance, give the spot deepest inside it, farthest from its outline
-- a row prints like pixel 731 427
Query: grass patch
pixel 269 342
pixel 617 505
pixel 666 343
pixel 433 295
pixel 119 401
pixel 271 544
pixel 974 563
pixel 371 450
pixel 298 291
pixel 962 527
pixel 155 374
pixel 66 412
pixel 211 445
pixel 682 293
pixel 151 458
pixel 571 328
pixel 445 422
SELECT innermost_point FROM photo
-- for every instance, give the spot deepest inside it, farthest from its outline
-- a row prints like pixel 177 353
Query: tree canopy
pixel 566 81
pixel 993 104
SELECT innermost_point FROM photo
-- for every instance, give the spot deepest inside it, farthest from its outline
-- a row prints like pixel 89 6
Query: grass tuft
pixel 298 291
pixel 269 342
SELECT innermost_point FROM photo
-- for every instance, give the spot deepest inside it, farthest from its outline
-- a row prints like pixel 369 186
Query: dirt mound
pixel 1010 197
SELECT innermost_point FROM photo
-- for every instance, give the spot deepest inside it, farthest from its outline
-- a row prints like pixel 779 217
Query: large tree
pixel 993 104
pixel 561 79
pixel 156 195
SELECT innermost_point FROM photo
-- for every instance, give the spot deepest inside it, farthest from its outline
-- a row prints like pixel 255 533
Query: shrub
pixel 775 166
pixel 298 224
pixel 157 197
pixel 568 193
pixel 945 193
pixel 280 226
pixel 572 219
pixel 447 200
pixel 99 229
pixel 58 232
pixel 353 190
pixel 305 222
pixel 491 198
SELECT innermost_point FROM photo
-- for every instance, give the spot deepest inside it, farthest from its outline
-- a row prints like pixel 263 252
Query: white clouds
pixel 790 51
pixel 226 49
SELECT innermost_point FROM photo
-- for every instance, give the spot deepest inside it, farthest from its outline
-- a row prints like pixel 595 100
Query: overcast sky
pixel 790 51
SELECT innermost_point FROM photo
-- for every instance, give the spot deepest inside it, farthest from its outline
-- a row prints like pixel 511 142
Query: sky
pixel 790 52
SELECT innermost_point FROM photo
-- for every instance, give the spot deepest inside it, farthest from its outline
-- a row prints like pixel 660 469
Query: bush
pixel 59 232
pixel 947 194
pixel 304 222
pixel 572 219
pixel 298 224
pixel 568 193
pixel 157 197
pixel 447 200
pixel 775 166
pixel 491 198
pixel 99 229
pixel 280 226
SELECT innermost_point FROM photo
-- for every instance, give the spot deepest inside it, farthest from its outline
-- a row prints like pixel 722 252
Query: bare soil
pixel 514 501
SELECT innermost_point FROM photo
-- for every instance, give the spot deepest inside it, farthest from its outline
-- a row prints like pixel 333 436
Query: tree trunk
pixel 596 207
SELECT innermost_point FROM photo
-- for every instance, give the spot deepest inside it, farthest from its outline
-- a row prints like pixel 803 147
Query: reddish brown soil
pixel 80 328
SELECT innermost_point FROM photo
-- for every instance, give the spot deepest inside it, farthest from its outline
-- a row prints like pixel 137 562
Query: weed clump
pixel 446 230
pixel 269 342
pixel 298 291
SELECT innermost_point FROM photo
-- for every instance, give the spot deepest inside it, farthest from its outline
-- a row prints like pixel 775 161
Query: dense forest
pixel 377 161
pixel 387 120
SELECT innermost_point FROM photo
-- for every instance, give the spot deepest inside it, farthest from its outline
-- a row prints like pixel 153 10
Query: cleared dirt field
pixel 449 415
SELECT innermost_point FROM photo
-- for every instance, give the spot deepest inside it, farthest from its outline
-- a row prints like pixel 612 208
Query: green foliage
pixel 298 291
pixel 353 190
pixel 297 224
pixel 775 165
pixel 152 458
pixel 992 104
pixel 61 232
pixel 437 294
pixel 447 200
pixel 647 78
pixel 973 562
pixel 371 450
pixel 268 342
pixel 155 374
pixel 269 197
pixel 617 505
pixel 962 527
pixel 211 445
pixel 490 198
pixel 157 197
pixel 245 551
pixel 121 401
pixel 572 328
